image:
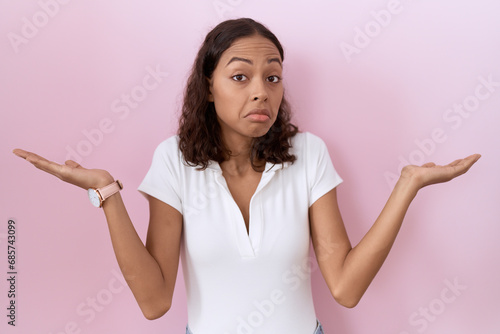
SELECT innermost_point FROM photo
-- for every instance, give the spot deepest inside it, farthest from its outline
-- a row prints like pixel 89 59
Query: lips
pixel 263 112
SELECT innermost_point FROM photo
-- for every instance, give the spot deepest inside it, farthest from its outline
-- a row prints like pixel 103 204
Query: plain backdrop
pixel 384 83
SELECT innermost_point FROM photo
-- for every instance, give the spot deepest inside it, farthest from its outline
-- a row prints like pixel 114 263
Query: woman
pixel 239 193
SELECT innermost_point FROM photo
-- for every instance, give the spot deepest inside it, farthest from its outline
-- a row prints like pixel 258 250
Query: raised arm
pixel 349 271
pixel 150 270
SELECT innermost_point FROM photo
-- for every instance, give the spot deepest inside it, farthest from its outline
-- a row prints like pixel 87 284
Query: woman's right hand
pixel 70 172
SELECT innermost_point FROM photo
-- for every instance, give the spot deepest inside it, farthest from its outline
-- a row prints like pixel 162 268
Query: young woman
pixel 239 194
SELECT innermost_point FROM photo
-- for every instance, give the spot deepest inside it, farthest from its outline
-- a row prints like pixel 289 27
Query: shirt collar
pixel 270 167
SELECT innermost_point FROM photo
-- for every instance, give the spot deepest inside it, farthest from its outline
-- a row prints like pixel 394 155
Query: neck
pixel 238 161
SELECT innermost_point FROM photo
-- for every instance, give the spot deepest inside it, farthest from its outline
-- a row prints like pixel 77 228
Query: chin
pixel 257 133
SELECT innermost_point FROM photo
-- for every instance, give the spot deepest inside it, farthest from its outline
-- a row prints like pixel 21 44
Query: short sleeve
pixel 322 176
pixel 162 179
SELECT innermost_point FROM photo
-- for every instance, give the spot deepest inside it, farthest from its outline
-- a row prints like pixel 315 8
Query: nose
pixel 259 91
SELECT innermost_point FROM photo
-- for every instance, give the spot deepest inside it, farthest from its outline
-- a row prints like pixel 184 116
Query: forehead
pixel 251 47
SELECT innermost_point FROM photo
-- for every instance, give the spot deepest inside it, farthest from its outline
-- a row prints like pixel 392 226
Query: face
pixel 246 88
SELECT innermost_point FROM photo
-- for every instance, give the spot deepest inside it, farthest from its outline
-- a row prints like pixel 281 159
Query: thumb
pixel 72 163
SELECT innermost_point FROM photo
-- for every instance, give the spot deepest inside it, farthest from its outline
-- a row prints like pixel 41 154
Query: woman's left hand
pixel 430 173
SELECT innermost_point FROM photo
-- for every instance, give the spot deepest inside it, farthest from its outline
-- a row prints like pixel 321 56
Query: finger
pixel 474 157
pixel 24 154
pixel 31 157
pixel 429 164
pixel 454 163
pixel 469 161
pixel 20 153
pixel 39 162
pixel 462 166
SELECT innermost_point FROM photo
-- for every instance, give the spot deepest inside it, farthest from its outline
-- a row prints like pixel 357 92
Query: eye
pixel 274 79
pixel 239 77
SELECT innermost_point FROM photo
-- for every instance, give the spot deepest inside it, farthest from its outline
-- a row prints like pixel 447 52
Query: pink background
pixel 375 106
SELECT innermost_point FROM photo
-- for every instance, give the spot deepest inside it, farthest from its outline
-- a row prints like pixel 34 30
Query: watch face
pixel 94 198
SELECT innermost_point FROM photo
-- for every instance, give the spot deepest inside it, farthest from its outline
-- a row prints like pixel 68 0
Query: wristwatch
pixel 98 196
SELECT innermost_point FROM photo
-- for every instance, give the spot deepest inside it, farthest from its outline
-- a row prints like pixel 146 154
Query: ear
pixel 210 96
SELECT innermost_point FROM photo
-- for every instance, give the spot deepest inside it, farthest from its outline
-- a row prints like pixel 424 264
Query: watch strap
pixel 110 189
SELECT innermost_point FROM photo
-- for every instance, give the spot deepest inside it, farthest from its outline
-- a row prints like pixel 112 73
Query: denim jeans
pixel 318 330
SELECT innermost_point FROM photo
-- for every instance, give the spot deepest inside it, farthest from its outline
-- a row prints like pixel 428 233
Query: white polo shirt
pixel 239 282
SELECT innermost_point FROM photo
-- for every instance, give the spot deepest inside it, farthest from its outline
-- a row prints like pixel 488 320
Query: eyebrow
pixel 248 61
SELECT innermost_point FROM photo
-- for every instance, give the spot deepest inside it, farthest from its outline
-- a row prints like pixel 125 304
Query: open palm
pixel 430 173
pixel 70 172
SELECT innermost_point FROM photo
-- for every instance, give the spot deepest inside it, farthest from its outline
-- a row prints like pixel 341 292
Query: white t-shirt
pixel 239 282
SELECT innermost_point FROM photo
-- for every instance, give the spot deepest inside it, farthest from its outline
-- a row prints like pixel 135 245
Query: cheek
pixel 225 101
pixel 227 98
pixel 277 98
pixel 227 109
pixel 222 91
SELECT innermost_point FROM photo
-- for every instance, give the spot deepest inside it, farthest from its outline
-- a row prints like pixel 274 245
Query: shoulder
pixel 306 142
pixel 168 153
pixel 168 148
pixel 170 144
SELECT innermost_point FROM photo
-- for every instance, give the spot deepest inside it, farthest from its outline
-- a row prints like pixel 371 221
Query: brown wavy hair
pixel 199 131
